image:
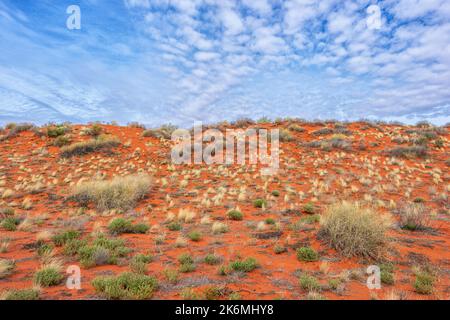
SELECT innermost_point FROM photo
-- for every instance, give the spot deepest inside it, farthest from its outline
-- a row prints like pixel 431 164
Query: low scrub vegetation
pixel 354 230
pixel 408 152
pixel 102 143
pixel 49 275
pixel 120 193
pixel 126 286
pixel 23 294
pixel 414 216
pixel 121 225
pixel 307 254
pixel 246 265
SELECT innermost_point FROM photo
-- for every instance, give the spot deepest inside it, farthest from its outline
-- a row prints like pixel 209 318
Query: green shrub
pixel 212 259
pixel 10 223
pixel 259 203
pixel 64 237
pixel 246 265
pixel 120 193
pixel 309 283
pixel 309 208
pixel 270 221
pixel 387 273
pixel 126 286
pixel 187 267
pixel 48 276
pixel 235 215
pixel 174 226
pixel 24 294
pixel 138 263
pixel 102 251
pixel 195 236
pixel 276 193
pixel 56 131
pixel 424 283
pixel 120 226
pixel 185 258
pixel 307 254
pixel 171 275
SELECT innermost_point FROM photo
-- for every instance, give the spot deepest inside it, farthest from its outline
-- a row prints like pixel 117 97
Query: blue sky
pixel 179 61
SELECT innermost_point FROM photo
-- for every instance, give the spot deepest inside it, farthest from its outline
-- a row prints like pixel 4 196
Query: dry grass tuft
pixel 119 193
pixel 354 230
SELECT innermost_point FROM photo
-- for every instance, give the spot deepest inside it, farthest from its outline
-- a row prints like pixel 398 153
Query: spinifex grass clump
pixel 126 286
pixel 121 225
pixel 102 143
pixel 121 193
pixel 354 230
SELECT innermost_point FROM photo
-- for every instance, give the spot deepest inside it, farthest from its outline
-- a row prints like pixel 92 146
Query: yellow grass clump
pixel 354 230
pixel 121 193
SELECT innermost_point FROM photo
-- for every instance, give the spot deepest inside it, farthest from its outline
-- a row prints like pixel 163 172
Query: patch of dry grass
pixel 354 230
pixel 119 193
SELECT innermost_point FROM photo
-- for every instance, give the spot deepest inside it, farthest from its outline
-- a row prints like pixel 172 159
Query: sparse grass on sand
pixel 119 193
pixel 354 230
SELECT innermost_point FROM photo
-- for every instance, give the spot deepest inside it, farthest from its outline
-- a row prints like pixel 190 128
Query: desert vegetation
pixel 108 199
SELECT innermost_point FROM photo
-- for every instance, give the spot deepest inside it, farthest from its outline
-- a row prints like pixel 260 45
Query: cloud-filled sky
pixel 179 61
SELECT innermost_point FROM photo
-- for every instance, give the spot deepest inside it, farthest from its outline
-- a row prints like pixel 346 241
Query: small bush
pixel 212 259
pixel 414 216
pixel 174 226
pixel 285 136
pixel 10 223
pixel 187 263
pixel 214 293
pixel 171 275
pixel 57 131
pixel 102 143
pixel 309 208
pixel 102 251
pixel 195 236
pixel 49 275
pixel 64 237
pixel 246 265
pixel 235 215
pixel 307 254
pixel 24 294
pixel 424 283
pixel 387 273
pixel 138 263
pixel 276 193
pixel 126 286
pixel 119 193
pixel 259 203
pixel 185 258
pixel 309 283
pixel 323 131
pixel 354 230
pixel 270 221
pixel 120 226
